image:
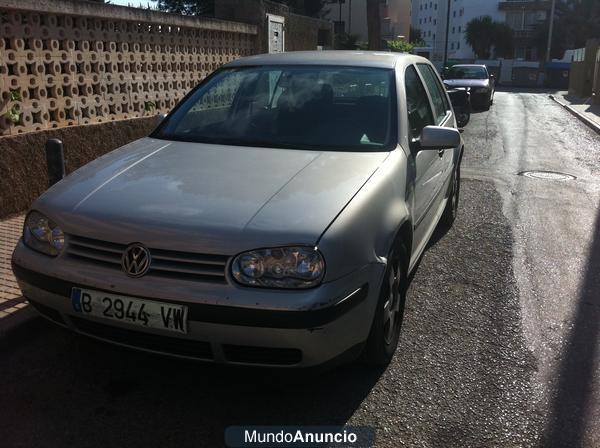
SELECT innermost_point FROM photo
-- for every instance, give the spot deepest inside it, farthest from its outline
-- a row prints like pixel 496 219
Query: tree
pixel 575 21
pixel 373 24
pixel 312 8
pixel 188 7
pixel 345 41
pixel 400 46
pixel 503 40
pixel 479 36
pixel 415 37
pixel 558 45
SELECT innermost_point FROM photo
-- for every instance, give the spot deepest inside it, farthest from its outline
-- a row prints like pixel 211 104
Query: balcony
pixel 531 5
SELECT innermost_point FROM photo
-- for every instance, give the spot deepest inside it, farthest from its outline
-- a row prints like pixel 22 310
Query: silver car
pixel 272 218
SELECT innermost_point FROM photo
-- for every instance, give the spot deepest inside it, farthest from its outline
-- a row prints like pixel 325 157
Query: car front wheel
pixel 385 329
pixel 451 209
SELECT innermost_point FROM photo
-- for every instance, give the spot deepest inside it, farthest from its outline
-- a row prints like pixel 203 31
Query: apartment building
pixel 430 16
pixel 523 16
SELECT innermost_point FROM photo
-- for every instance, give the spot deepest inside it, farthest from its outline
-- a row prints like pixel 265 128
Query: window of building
pixel 435 7
pixel 420 21
pixel 452 46
pixel 459 28
pixel 434 21
pixel 433 36
pixel 429 19
pixel 453 13
pixel 462 11
pixel 458 45
pixel 452 30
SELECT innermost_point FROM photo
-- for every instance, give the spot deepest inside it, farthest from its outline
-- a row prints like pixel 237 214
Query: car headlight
pixel 280 267
pixel 43 235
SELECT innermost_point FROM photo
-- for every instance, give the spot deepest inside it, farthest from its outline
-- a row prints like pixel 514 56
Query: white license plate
pixel 141 312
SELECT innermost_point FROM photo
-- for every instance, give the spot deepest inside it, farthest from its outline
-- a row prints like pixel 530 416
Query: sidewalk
pixel 13 306
pixel 581 106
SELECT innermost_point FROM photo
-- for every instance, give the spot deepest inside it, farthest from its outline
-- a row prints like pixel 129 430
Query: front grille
pixel 165 344
pixel 165 263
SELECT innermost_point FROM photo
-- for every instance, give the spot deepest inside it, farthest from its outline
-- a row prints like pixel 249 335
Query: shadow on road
pixel 116 397
pixel 567 423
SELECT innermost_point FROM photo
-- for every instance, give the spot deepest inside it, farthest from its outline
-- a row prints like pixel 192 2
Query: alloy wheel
pixel 391 307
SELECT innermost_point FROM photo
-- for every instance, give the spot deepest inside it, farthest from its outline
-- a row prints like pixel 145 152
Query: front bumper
pixel 480 99
pixel 285 337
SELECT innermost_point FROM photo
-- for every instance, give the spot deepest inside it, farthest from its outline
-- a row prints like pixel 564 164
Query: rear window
pixel 325 108
pixel 458 72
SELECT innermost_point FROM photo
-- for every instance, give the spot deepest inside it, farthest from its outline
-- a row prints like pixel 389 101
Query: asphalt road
pixel 499 346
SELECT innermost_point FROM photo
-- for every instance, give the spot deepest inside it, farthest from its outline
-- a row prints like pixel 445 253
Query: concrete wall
pixel 23 175
pixel 586 73
pixel 301 32
pixel 74 63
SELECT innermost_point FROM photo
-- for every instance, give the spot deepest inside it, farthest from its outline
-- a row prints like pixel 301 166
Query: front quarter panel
pixel 364 230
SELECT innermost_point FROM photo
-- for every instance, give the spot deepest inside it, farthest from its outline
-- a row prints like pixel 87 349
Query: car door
pixel 442 116
pixel 427 163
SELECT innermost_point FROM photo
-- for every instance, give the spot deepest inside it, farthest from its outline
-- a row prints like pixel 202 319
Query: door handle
pixel 441 152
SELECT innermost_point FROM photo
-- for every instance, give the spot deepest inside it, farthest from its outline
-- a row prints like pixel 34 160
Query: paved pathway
pixel 11 300
pixel 583 106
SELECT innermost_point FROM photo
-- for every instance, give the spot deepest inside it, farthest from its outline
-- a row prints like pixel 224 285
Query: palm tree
pixel 480 36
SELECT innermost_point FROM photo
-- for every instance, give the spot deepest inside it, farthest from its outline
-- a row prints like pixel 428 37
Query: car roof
pixel 377 59
pixel 469 65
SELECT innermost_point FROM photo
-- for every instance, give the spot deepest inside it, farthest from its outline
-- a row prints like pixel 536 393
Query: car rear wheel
pixel 451 209
pixel 385 329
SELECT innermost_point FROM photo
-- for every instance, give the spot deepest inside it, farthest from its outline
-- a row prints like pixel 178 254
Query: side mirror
pixel 438 137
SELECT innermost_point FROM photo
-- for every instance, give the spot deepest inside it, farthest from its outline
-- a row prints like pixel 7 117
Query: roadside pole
pixel 550 26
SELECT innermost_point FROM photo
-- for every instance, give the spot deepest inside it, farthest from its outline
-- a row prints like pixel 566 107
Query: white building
pixel 429 16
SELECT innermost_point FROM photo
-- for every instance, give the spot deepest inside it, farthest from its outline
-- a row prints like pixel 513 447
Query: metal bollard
pixel 55 159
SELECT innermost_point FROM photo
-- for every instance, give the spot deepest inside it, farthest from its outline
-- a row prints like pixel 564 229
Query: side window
pixel 417 103
pixel 438 96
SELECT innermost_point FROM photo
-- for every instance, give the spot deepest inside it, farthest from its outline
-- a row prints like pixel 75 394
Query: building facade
pixel 350 16
pixel 431 16
pixel 523 16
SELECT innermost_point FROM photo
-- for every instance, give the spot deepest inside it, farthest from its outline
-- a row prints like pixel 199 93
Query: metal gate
pixel 275 27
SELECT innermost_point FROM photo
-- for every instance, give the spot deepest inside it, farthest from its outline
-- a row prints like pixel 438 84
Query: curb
pixel 581 117
pixel 16 320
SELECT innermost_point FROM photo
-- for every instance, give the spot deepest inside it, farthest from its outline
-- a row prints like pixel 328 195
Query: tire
pixel 385 329
pixel 451 210
pixel 462 118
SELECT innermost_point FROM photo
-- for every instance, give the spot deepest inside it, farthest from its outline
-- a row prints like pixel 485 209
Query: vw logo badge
pixel 135 260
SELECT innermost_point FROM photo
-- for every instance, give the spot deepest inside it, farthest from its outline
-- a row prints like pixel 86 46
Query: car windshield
pixel 467 73
pixel 324 108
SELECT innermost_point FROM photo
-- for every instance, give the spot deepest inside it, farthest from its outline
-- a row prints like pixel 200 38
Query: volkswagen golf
pixel 272 218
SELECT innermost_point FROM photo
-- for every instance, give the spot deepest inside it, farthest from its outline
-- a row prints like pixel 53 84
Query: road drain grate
pixel 547 175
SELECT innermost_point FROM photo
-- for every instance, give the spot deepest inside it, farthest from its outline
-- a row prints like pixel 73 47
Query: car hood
pixel 467 82
pixel 208 198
